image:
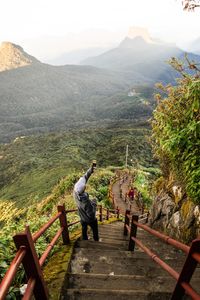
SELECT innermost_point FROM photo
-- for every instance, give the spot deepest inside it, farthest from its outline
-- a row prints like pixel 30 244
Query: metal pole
pixel 126 164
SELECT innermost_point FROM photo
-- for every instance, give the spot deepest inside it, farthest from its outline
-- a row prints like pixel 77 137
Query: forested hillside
pixel 39 98
pixel 31 166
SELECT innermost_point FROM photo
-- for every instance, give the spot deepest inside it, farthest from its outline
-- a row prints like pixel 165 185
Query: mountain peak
pixel 13 56
pixel 139 32
pixel 138 42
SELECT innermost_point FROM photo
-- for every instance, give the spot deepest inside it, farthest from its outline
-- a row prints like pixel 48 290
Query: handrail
pixel 11 272
pixel 29 289
pixel 73 223
pixel 50 246
pixel 27 255
pixel 26 252
pixel 71 210
pixel 188 288
pixel 193 256
pixel 164 237
pixel 142 216
pixel 45 227
pixel 108 212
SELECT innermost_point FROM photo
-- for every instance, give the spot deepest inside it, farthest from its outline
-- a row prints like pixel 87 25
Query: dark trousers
pixel 94 226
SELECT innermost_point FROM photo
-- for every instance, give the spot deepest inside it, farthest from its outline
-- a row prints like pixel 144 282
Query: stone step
pixel 136 260
pixel 91 294
pixel 107 243
pixel 106 270
pixel 112 230
pixel 125 282
pixel 97 245
pixel 119 267
pixel 116 224
pixel 103 234
pixel 119 282
pixel 113 233
pixel 113 252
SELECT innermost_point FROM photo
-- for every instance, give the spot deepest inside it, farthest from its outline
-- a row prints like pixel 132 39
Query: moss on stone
pixel 55 270
pixel 186 208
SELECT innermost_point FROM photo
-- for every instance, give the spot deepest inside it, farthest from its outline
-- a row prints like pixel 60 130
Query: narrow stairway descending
pixel 106 270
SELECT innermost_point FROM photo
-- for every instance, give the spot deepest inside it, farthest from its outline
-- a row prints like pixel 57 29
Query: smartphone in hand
pixel 94 163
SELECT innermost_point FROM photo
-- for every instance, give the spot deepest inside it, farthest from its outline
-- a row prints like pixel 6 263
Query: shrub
pixel 176 129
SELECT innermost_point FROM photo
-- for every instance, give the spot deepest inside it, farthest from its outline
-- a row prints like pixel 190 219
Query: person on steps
pixel 86 207
pixel 131 194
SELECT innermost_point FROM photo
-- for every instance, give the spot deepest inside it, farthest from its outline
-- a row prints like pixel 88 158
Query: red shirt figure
pixel 131 194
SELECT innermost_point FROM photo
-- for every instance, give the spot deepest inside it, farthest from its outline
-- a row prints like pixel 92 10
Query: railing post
pixel 107 214
pixel 187 271
pixel 100 213
pixel 147 218
pixel 133 233
pixel 63 224
pixel 126 221
pixel 142 212
pixel 117 212
pixel 31 263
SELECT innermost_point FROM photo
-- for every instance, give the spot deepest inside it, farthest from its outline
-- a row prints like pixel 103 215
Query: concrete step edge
pixel 107 291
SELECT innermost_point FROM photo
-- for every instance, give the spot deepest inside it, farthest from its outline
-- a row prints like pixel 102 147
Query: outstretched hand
pixel 94 165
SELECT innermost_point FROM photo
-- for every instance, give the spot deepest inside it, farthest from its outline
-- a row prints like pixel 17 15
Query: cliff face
pixel 13 56
pixel 173 213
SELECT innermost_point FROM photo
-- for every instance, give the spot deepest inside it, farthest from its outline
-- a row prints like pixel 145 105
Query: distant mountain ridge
pixel 13 56
pixel 132 51
pixel 137 56
pixel 36 97
pixel 42 98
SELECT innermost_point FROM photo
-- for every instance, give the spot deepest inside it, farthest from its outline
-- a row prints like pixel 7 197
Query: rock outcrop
pixel 175 214
pixel 13 56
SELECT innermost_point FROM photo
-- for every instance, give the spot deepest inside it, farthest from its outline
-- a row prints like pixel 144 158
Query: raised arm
pixel 81 183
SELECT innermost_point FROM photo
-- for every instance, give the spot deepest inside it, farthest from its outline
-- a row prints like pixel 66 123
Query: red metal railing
pixel 27 255
pixel 105 213
pixel 193 256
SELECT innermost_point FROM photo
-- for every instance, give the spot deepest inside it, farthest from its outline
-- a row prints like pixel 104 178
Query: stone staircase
pixel 105 270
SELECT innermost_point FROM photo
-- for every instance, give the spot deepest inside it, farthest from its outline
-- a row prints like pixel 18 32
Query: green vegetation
pixel 31 166
pixel 176 129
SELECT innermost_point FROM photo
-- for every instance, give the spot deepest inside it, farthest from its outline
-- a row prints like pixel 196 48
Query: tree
pixel 190 5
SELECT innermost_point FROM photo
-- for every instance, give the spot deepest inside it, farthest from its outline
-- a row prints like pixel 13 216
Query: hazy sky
pixel 36 20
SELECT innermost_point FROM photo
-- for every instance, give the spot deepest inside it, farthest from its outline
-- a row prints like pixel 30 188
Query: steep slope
pixel 13 56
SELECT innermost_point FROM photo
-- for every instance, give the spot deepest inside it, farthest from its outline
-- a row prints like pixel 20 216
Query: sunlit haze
pixel 46 28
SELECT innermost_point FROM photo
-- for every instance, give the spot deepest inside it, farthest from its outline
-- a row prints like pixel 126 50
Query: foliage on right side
pixel 176 128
